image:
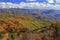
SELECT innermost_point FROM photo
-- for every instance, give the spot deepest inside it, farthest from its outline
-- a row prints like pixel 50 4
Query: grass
pixel 16 24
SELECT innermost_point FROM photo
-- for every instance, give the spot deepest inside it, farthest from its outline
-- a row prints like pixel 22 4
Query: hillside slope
pixel 45 15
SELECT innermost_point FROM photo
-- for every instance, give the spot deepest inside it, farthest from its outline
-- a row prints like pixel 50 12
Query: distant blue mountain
pixel 39 14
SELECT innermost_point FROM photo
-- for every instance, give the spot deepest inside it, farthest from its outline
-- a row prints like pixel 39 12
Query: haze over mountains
pixel 39 14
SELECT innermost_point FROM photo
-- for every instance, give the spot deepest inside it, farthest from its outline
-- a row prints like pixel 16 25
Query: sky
pixel 18 1
pixel 38 4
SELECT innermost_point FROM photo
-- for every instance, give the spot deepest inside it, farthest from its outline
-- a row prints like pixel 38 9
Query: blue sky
pixel 18 1
pixel 37 4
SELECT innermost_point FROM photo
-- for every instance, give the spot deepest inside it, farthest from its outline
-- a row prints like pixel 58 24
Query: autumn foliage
pixel 27 28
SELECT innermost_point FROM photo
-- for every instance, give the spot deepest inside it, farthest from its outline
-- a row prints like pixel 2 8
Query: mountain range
pixel 43 14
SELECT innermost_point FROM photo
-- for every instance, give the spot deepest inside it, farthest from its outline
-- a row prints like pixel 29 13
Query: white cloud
pixel 50 1
pixel 37 5
pixel 57 1
pixel 32 5
pixel 8 5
